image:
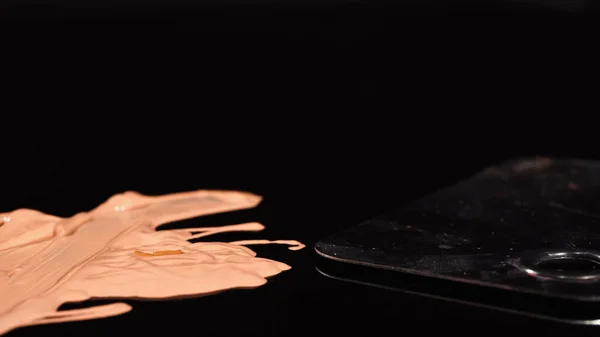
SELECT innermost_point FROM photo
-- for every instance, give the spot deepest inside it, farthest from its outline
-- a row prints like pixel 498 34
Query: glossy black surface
pixel 463 295
pixel 497 228
pixel 524 227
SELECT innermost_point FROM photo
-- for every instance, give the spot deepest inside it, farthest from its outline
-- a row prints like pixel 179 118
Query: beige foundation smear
pixel 115 251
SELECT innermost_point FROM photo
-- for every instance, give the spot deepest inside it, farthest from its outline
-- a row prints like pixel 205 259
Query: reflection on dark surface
pixel 494 229
pixel 564 311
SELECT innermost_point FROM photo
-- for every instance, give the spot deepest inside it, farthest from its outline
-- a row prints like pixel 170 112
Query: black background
pixel 334 112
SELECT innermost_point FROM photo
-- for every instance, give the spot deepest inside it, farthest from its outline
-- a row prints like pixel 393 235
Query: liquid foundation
pixel 115 251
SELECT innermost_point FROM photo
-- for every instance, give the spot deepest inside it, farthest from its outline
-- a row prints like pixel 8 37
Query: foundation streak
pixel 115 251
pixel 159 253
pixel 294 245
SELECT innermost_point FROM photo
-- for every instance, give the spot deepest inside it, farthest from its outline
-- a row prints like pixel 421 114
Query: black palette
pixel 526 231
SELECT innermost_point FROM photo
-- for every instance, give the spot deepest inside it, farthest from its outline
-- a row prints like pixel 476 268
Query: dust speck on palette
pixel 115 251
